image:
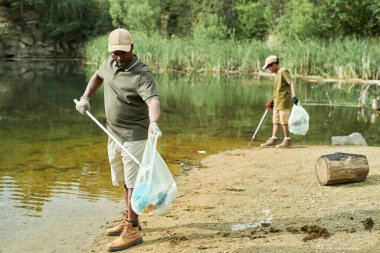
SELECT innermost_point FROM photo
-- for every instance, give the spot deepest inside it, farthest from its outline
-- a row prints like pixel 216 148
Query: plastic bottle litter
pixel 143 203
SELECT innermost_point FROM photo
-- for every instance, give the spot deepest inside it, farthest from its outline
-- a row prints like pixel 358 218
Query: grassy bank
pixel 338 58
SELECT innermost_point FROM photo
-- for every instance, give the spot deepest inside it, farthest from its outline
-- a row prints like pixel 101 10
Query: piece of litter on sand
pixel 202 152
pixel 264 223
pixel 238 227
pixel 268 216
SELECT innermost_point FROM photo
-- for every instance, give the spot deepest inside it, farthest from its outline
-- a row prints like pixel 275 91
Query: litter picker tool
pixel 258 127
pixel 110 135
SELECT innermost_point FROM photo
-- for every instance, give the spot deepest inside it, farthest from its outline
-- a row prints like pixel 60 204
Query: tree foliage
pixel 73 21
pixel 298 20
pixel 67 22
pixel 251 19
pixel 330 18
pixel 350 18
pixel 136 15
pixel 70 21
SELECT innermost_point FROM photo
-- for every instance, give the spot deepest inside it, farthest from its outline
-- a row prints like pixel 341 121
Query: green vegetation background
pixel 329 38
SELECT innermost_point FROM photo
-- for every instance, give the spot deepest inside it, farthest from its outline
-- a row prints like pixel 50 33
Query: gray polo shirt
pixel 125 93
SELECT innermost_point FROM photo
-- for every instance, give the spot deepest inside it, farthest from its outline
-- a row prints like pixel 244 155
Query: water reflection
pixel 49 150
pixel 42 151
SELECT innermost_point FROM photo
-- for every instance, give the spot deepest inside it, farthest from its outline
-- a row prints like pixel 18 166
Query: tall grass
pixel 336 58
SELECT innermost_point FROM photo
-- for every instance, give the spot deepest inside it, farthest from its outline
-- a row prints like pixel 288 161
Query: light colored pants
pixel 123 169
pixel 281 116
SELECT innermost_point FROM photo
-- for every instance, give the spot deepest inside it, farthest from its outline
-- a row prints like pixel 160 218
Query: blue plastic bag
pixel 298 120
pixel 155 188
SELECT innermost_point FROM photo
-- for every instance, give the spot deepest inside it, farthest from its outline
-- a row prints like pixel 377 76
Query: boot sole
pixel 137 242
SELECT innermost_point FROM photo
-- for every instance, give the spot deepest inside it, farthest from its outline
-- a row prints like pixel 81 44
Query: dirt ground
pixel 265 200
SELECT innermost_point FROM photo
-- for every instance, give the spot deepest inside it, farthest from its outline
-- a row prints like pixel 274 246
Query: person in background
pixel 132 109
pixel 284 93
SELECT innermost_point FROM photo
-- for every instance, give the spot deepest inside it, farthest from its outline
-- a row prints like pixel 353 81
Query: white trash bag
pixel 298 120
pixel 155 188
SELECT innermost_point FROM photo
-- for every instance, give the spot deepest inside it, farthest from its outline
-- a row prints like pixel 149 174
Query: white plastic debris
pixel 268 219
pixel 202 152
pixel 238 227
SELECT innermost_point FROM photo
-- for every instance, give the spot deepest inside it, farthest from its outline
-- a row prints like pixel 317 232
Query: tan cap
pixel 119 39
pixel 269 60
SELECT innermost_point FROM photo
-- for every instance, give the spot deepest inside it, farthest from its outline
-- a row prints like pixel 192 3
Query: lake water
pixel 54 175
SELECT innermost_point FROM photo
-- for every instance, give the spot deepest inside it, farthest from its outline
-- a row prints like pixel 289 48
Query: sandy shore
pixel 242 186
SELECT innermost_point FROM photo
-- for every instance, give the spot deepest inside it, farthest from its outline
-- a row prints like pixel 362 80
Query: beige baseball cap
pixel 269 60
pixel 119 39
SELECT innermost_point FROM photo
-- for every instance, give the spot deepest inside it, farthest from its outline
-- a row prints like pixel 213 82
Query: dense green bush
pixel 136 15
pixel 251 21
pixel 70 21
pixel 210 26
pixel 349 18
pixel 299 21
pixel 330 19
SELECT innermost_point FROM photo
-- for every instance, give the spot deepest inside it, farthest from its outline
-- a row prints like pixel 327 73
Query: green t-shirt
pixel 282 94
pixel 125 93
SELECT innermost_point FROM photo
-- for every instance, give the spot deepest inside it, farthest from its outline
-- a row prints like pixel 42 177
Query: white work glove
pixel 83 105
pixel 154 130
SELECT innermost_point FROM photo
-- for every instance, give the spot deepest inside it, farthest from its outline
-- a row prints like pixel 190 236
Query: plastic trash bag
pixel 155 188
pixel 298 120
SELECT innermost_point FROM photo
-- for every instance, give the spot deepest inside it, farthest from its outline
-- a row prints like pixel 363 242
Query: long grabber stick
pixel 109 134
pixel 258 127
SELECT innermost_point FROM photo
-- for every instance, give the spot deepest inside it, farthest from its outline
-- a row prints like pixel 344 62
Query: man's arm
pixel 154 109
pixel 84 103
pixel 290 81
pixel 293 88
pixel 292 84
pixel 154 116
pixel 93 85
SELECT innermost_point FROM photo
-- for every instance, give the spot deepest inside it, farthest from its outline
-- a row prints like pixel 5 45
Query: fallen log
pixel 340 168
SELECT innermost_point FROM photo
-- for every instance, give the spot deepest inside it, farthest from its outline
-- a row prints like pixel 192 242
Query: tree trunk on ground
pixel 341 168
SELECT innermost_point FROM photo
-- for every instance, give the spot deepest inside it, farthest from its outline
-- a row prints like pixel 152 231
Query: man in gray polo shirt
pixel 132 110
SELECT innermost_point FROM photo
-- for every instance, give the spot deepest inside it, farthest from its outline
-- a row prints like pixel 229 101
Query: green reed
pixel 336 58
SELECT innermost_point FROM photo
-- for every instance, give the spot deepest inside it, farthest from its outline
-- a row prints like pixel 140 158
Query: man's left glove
pixel 154 130
pixel 295 100
pixel 83 105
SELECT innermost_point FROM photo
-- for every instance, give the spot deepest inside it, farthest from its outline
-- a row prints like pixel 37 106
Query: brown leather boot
pixel 116 230
pixel 269 143
pixel 129 237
